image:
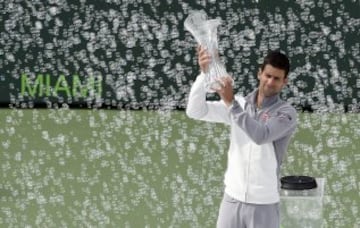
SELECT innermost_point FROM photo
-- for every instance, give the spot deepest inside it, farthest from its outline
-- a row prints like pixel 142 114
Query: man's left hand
pixel 226 91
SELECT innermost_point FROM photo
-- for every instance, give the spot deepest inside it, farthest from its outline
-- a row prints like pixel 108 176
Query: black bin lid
pixel 298 182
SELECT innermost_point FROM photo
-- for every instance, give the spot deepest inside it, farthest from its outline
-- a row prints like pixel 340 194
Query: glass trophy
pixel 205 33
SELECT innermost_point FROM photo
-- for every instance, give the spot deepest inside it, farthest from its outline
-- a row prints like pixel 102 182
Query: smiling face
pixel 272 80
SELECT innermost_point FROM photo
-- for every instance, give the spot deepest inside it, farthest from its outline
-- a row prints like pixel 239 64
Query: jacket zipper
pixel 248 174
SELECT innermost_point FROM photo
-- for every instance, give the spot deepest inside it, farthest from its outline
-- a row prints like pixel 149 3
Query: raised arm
pixel 198 107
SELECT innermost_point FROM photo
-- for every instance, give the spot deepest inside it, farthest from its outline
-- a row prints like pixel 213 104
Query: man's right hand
pixel 203 58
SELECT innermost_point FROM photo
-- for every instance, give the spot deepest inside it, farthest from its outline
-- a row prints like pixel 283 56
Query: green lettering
pixel 80 90
pixel 48 87
pixel 41 86
pixel 87 90
pixel 62 85
pixel 99 87
pixel 77 87
pixel 32 88
pixel 90 86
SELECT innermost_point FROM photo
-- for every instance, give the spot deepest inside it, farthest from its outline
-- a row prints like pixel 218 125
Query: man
pixel 261 126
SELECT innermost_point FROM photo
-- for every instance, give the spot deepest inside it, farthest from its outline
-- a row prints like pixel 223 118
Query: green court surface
pixel 110 168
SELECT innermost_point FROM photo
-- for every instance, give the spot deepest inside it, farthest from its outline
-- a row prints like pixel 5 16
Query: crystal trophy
pixel 205 33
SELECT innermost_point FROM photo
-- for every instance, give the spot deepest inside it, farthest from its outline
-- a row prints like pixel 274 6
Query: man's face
pixel 272 80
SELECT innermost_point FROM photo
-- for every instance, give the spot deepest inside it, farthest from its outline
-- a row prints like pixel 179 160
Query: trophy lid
pixel 298 182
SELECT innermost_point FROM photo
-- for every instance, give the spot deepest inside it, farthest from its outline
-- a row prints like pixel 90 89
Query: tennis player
pixel 261 126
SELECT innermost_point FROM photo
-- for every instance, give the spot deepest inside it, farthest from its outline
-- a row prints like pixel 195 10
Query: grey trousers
pixel 236 214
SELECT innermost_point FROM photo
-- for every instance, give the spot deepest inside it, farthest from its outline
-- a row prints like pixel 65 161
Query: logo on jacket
pixel 265 116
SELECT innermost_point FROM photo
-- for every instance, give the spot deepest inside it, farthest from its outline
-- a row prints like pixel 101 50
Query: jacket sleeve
pixel 280 124
pixel 200 109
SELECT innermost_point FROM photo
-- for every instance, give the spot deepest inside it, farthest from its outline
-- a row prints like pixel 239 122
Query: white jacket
pixel 258 141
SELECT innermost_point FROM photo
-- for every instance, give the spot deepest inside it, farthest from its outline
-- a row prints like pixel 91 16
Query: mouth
pixel 268 88
pixel 269 91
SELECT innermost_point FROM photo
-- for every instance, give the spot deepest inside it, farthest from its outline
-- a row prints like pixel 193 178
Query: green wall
pixel 106 168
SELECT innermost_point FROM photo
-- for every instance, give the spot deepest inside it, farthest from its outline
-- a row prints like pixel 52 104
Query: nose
pixel 271 82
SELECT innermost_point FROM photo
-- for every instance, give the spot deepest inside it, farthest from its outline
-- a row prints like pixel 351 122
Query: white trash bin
pixel 301 202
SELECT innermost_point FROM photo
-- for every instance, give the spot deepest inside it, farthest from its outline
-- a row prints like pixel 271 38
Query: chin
pixel 270 94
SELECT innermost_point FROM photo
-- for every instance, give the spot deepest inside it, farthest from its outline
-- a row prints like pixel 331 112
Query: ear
pixel 259 73
pixel 286 81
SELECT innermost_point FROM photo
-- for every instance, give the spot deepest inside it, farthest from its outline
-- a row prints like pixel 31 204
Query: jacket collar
pixel 267 102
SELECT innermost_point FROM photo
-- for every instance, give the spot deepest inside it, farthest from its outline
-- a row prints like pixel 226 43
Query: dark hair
pixel 278 60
